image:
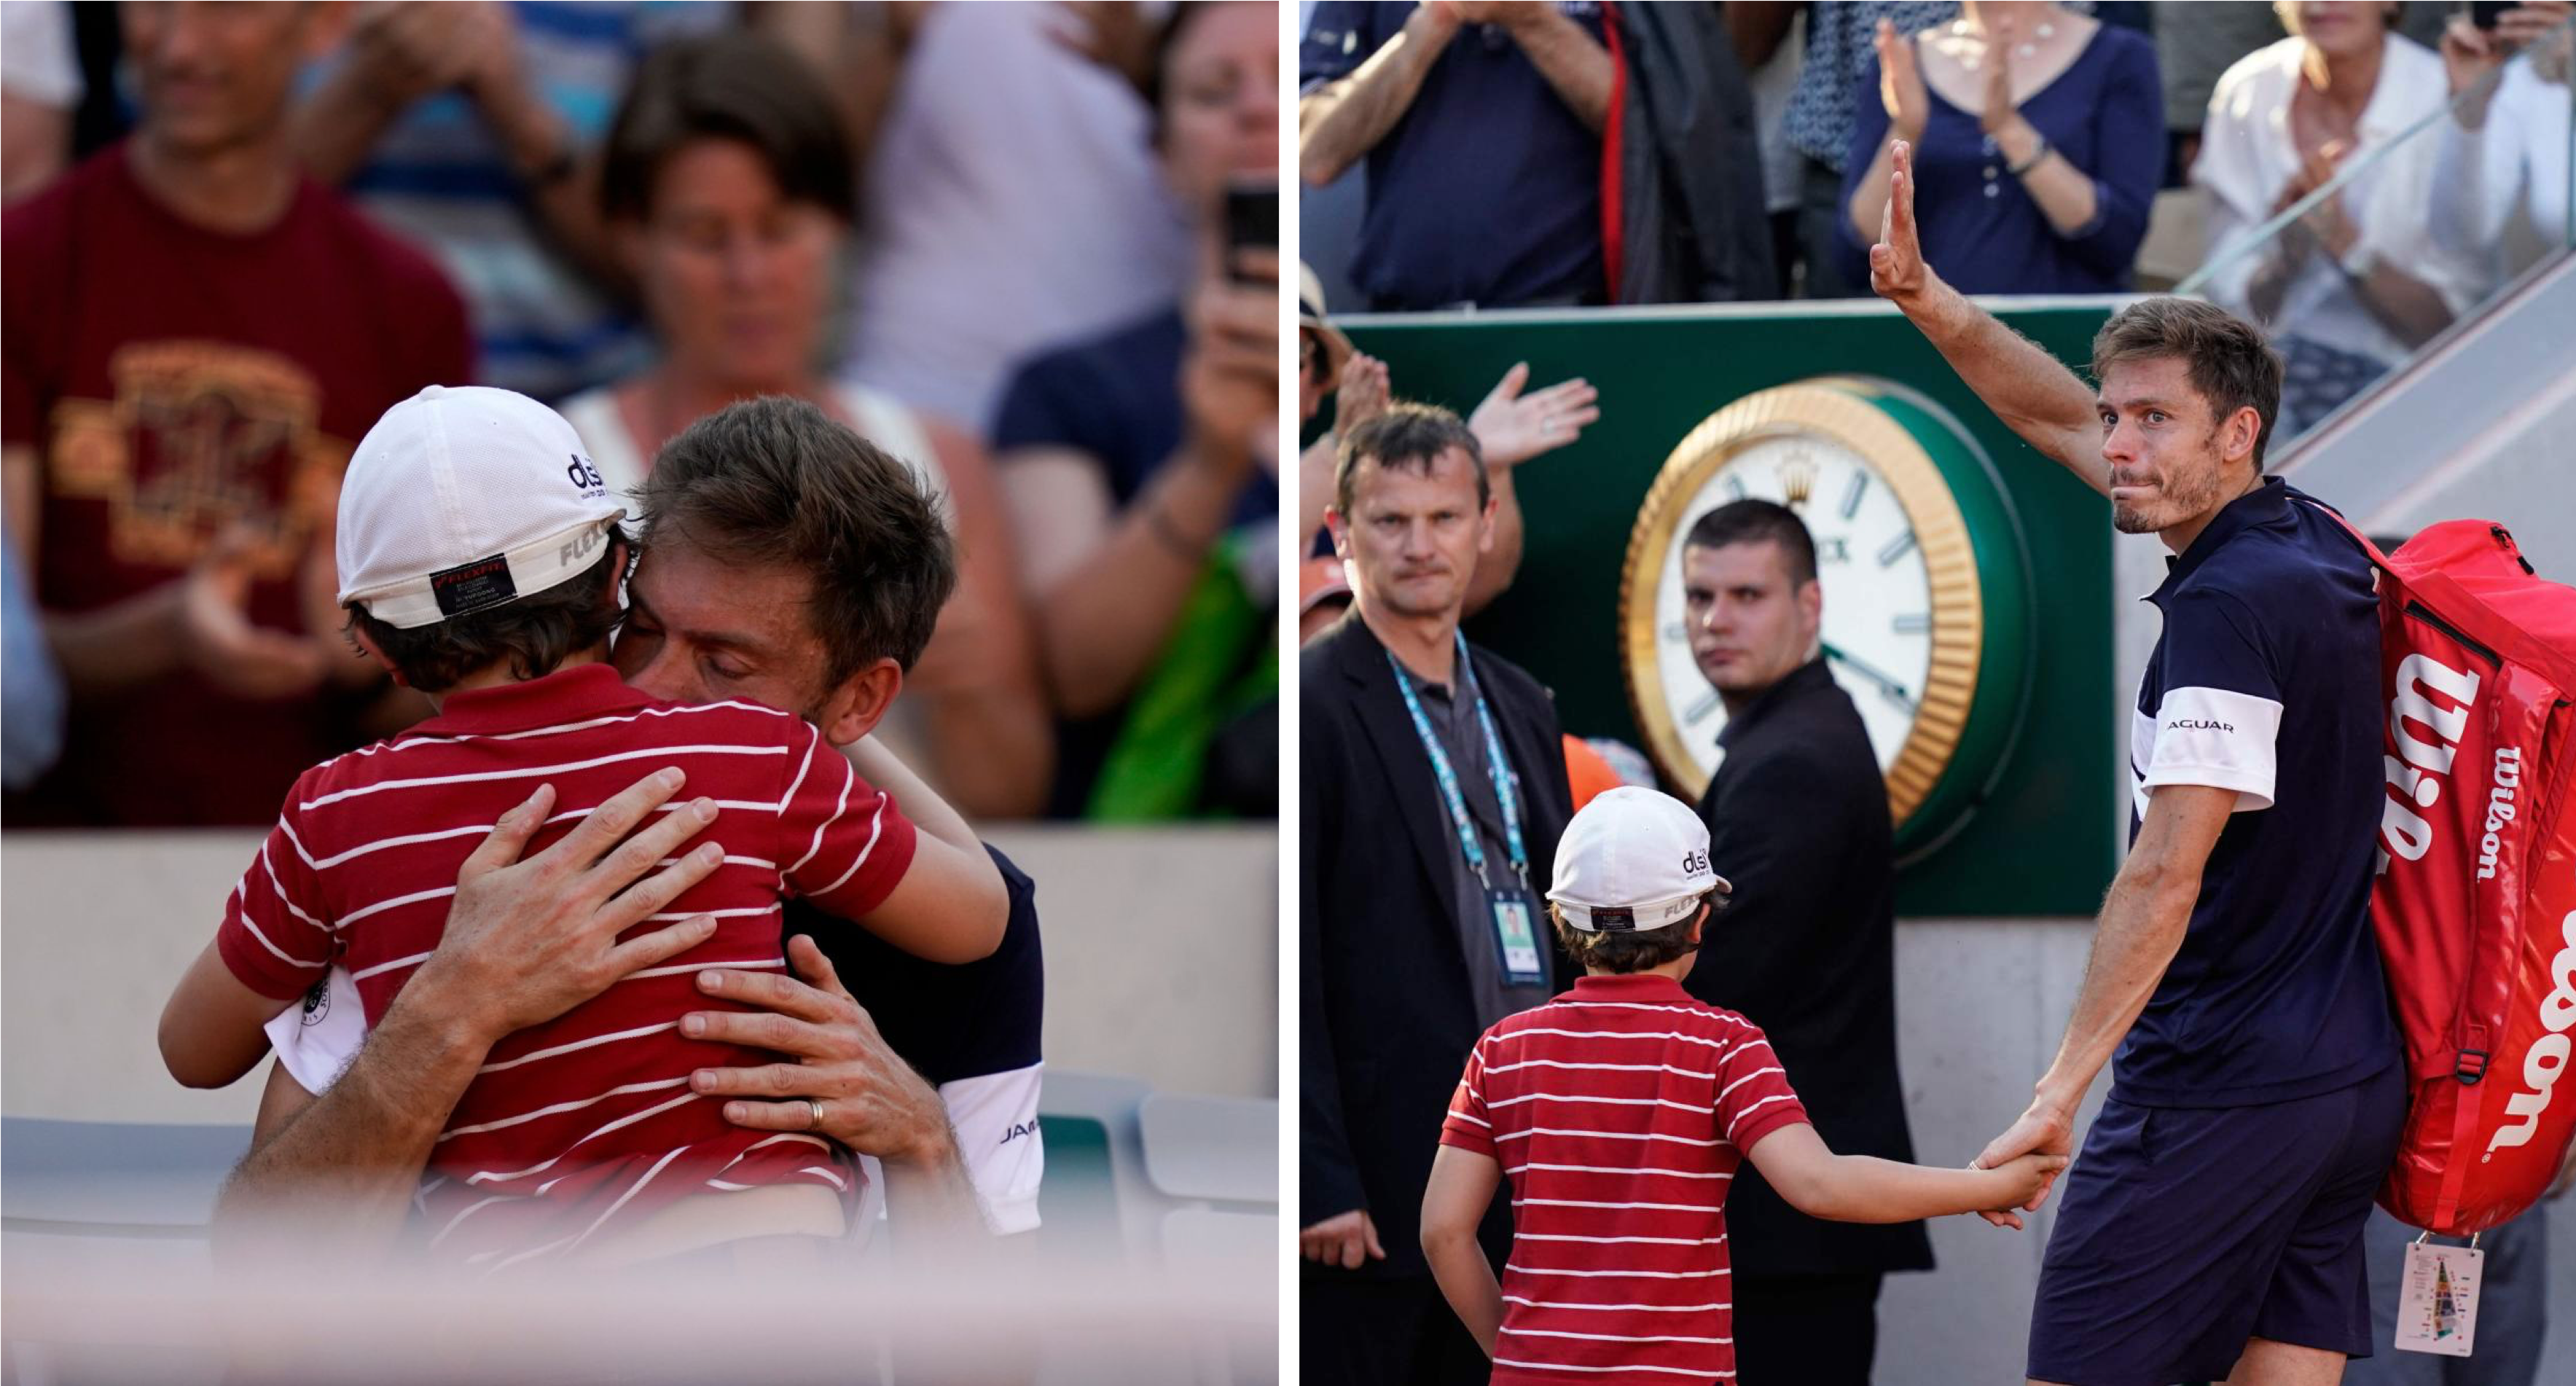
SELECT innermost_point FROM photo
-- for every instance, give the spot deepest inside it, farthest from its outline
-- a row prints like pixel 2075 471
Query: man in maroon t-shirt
pixel 191 333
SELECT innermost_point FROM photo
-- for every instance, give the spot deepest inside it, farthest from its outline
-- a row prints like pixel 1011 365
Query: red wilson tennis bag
pixel 2475 906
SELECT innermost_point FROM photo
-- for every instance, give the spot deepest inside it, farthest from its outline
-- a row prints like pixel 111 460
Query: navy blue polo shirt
pixel 2266 682
pixel 951 1022
pixel 1488 188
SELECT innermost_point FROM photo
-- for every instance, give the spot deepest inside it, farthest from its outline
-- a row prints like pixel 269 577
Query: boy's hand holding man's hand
pixel 2023 1183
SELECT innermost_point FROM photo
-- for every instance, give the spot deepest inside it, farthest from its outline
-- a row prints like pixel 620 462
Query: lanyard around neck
pixel 1497 769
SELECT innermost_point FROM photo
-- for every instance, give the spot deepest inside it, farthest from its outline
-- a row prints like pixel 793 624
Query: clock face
pixel 1878 608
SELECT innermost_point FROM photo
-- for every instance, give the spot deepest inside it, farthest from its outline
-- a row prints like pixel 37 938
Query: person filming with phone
pixel 1141 469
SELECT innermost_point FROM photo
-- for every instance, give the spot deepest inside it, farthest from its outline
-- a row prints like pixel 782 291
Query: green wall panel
pixel 2046 842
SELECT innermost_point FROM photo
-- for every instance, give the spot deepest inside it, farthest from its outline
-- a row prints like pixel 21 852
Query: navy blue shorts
pixel 2185 1231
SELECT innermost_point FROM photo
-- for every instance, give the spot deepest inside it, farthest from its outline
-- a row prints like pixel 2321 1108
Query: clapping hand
pixel 2326 224
pixel 218 639
pixel 1900 83
pixel 1503 13
pixel 1512 428
pixel 1362 393
pixel 1999 110
pixel 411 49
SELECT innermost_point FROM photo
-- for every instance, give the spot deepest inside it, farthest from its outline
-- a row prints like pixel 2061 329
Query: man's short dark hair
pixel 2229 362
pixel 1758 522
pixel 776 480
pixel 1613 951
pixel 1406 437
pixel 535 633
pixel 731 86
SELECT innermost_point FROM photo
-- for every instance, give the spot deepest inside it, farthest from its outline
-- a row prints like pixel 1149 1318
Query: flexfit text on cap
pixel 464 497
pixel 1633 859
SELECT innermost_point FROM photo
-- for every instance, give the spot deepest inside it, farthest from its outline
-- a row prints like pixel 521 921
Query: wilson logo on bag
pixel 2475 905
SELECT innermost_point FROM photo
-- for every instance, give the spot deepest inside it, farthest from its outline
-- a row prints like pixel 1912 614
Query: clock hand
pixel 1865 671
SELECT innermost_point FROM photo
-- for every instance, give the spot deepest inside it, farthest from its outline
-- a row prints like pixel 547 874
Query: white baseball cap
pixel 1634 859
pixel 462 498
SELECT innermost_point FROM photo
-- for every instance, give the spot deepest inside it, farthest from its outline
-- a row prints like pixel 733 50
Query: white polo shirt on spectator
pixel 2247 156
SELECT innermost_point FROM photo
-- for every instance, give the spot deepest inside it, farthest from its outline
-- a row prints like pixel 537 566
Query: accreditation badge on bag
pixel 2437 1301
pixel 1516 936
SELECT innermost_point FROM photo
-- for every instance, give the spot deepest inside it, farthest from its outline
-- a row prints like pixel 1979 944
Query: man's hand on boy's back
pixel 528 940
pixel 846 1082
pixel 525 941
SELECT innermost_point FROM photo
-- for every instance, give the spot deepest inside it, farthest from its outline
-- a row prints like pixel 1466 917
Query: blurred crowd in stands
pixel 1460 155
pixel 990 237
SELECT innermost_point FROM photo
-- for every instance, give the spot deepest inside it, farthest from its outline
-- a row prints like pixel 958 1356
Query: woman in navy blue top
pixel 2038 141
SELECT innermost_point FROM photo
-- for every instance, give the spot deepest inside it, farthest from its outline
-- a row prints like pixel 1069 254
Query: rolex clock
pixel 1927 600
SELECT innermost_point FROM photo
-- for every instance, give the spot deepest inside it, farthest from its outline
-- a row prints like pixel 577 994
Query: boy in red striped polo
pixel 480 559
pixel 1619 1112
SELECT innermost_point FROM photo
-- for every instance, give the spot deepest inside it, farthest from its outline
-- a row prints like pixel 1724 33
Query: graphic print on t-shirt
pixel 201 437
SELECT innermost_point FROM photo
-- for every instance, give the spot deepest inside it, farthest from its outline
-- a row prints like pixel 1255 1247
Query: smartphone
pixel 2484 15
pixel 1251 220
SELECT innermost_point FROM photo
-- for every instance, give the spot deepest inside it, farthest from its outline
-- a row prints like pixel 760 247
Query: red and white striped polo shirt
pixel 588 1117
pixel 1619 1112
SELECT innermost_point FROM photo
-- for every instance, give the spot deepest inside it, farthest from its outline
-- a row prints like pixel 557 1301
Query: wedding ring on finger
pixel 814 1108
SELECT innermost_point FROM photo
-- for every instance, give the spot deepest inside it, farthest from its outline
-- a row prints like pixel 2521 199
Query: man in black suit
pixel 1798 812
pixel 1434 792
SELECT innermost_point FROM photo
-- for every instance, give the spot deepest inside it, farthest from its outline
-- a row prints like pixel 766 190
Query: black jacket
pixel 1693 226
pixel 1806 949
pixel 1386 1017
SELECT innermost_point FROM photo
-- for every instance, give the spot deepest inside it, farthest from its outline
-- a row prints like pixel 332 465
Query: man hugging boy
pixel 480 561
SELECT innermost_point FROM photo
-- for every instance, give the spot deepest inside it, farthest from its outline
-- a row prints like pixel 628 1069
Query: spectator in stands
pixel 191 333
pixel 1425 845
pixel 2357 283
pixel 2190 57
pixel 40 83
pixel 2036 132
pixel 1140 469
pixel 31 699
pixel 1840 39
pixel 1771 42
pixel 1022 208
pixel 1481 124
pixel 1510 427
pixel 468 125
pixel 2505 145
pixel 727 185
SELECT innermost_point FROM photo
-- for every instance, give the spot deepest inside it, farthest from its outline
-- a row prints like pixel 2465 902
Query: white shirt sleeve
pixel 996 1120
pixel 2218 738
pixel 995 1117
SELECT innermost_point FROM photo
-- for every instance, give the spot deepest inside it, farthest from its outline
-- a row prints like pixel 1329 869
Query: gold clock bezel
pixel 1837 411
